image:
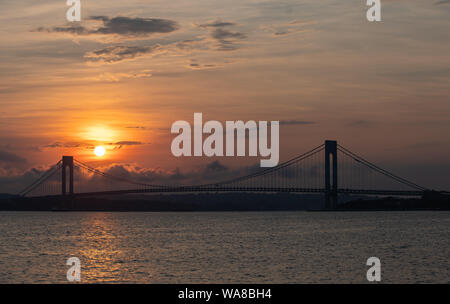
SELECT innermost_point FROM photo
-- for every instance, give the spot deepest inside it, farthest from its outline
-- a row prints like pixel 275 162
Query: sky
pixel 122 75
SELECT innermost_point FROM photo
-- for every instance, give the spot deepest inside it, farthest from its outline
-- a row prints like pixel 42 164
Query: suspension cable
pixel 273 169
pixel 260 173
pixel 49 173
pixel 378 169
pixel 265 172
pixel 96 171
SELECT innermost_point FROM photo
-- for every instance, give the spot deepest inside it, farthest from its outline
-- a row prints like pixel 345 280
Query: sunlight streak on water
pixel 227 247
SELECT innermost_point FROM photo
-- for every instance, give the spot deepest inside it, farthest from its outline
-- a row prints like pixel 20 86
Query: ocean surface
pixel 225 247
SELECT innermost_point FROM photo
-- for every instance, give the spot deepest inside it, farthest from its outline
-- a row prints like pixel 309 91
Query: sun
pixel 99 151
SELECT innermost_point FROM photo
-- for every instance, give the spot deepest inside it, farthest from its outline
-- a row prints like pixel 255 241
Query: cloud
pixel 118 26
pixel 217 24
pixel 189 45
pixel 295 122
pixel 212 172
pixel 64 145
pixel 114 54
pixel 91 144
pixel 116 29
pixel 136 127
pixel 216 166
pixel 13 182
pixel 285 29
pixel 226 40
pixel 115 77
pixel 222 34
pixel 130 172
pixel 8 157
pixel 134 26
pixel 71 29
pixel 127 143
pixel 195 65
pixel 85 181
pixel 198 66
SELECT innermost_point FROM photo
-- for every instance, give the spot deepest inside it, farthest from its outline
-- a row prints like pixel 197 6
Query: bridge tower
pixel 331 174
pixel 67 162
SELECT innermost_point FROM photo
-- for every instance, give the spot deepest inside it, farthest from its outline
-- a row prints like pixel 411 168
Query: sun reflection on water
pixel 100 251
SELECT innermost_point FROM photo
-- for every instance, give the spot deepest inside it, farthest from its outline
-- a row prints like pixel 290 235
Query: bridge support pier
pixel 331 176
pixel 67 162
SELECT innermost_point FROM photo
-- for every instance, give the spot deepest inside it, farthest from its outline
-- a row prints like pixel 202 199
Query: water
pixel 225 247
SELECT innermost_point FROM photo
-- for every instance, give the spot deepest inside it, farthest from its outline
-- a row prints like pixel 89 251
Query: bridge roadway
pixel 191 189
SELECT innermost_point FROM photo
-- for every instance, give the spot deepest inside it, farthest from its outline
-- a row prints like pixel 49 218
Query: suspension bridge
pixel 319 170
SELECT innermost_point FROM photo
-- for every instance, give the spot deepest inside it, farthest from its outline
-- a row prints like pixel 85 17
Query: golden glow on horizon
pixel 99 151
pixel 99 133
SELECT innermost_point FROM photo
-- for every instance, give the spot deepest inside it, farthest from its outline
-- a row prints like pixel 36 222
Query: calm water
pixel 228 247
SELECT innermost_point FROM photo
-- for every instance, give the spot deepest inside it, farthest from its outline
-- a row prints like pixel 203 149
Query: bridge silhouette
pixel 319 170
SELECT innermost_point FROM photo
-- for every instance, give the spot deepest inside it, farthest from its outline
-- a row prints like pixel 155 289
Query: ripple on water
pixel 250 247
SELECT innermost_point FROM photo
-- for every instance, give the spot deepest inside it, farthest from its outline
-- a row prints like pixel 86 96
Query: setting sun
pixel 99 151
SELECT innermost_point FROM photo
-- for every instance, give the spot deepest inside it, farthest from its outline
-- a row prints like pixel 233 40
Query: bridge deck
pixel 189 189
